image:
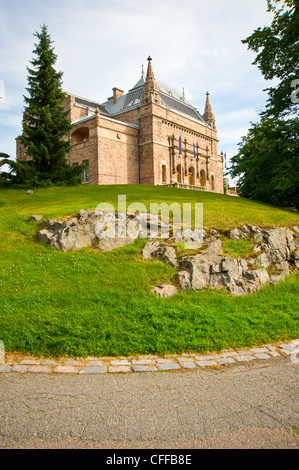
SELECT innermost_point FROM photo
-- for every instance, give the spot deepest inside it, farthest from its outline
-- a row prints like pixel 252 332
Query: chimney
pixel 116 94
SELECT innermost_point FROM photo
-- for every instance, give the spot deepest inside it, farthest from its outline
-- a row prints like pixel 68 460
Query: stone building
pixel 150 135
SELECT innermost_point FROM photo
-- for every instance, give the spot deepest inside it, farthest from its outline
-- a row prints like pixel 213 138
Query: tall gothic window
pixel 191 176
pixel 163 173
pixel 86 172
pixel 213 181
pixel 179 173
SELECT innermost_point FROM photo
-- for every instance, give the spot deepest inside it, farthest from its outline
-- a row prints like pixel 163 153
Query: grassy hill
pixel 91 303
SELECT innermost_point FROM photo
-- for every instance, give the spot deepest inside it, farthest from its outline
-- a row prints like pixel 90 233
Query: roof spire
pixel 150 72
pixel 150 89
pixel 208 114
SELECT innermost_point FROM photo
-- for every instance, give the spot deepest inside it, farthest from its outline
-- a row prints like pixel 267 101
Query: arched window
pixel 163 173
pixel 212 181
pixel 179 173
pixel 86 172
pixel 191 176
pixel 203 180
pixel 80 135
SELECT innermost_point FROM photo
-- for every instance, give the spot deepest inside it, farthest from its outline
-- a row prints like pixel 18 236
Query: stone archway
pixel 80 135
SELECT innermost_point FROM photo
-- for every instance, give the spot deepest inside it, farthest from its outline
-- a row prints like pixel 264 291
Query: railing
pixel 232 193
pixel 187 186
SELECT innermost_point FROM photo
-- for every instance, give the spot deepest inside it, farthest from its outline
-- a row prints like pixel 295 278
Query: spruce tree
pixel 46 124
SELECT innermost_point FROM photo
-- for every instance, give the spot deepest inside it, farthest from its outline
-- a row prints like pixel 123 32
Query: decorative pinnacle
pixel 151 88
pixel 208 103
pixel 208 114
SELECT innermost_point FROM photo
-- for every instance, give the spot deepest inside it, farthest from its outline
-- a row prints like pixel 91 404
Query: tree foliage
pixel 267 161
pixel 277 48
pixel 24 175
pixel 20 174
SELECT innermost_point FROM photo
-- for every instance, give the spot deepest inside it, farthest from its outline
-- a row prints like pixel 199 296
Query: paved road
pixel 241 406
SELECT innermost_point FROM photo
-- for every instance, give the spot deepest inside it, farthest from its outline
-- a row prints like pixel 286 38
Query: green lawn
pixel 91 303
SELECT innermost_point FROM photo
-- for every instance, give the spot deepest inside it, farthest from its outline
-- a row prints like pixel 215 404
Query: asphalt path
pixel 251 406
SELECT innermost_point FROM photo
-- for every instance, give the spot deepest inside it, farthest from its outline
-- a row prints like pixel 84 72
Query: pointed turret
pixel 150 89
pixel 208 114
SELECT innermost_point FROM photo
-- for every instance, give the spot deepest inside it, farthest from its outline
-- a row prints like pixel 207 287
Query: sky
pixel 101 44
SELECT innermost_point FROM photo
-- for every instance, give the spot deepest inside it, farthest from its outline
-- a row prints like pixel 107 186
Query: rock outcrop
pixel 109 231
pixel 105 230
pixel 274 251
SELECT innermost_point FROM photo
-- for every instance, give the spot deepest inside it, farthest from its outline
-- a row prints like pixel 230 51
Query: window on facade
pixel 203 181
pixel 191 176
pixel 163 173
pixel 213 181
pixel 179 174
pixel 86 172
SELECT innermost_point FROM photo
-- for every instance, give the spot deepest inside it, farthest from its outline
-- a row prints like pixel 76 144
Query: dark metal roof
pixel 90 104
pixel 181 107
pixel 133 98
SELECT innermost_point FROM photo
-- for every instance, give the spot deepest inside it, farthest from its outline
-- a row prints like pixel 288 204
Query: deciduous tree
pixel 277 48
pixel 267 163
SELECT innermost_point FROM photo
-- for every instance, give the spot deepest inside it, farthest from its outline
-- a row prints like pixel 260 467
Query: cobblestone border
pixel 96 365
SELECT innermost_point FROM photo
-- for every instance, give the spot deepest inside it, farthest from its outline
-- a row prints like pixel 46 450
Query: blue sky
pixel 194 44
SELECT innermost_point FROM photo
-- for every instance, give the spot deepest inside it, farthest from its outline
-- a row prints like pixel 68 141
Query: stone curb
pixel 93 365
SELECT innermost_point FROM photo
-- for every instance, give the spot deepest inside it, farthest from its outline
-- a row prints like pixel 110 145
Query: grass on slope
pixel 90 303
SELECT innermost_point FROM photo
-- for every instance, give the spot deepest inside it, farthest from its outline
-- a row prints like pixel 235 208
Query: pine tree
pixel 46 124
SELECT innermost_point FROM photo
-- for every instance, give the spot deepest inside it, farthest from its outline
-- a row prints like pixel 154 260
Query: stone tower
pixel 150 109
